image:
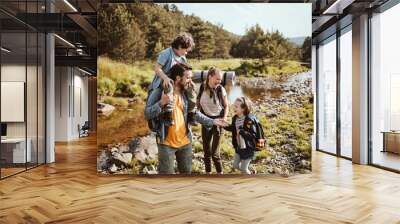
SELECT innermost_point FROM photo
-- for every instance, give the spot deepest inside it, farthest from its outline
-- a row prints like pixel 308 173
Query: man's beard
pixel 182 85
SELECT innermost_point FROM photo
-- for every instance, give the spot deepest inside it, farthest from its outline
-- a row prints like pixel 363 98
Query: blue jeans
pixel 166 157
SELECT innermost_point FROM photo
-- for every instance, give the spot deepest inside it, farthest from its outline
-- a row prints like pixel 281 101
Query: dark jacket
pixel 248 132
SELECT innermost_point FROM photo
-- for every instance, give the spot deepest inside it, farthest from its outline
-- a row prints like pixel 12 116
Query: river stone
pixel 149 169
pixel 105 109
pixel 123 148
pixel 103 160
pixel 113 168
pixel 114 150
pixel 144 148
pixel 125 158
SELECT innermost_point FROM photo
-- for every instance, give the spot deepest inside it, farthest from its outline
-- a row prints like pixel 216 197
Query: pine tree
pixel 204 39
pixel 222 45
pixel 120 37
pixel 306 50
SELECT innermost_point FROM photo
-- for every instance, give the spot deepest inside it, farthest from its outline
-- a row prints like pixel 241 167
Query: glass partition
pixel 13 94
pixel 346 93
pixel 385 89
pixel 327 95
pixel 22 90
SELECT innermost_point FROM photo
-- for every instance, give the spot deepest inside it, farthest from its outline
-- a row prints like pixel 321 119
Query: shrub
pixel 269 67
pixel 197 147
pixel 105 87
pixel 150 162
pixel 134 165
pixel 262 155
pixel 272 141
pixel 227 150
pixel 115 101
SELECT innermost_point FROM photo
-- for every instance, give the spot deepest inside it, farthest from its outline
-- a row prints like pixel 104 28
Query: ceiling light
pixel 70 5
pixel 64 40
pixel 5 50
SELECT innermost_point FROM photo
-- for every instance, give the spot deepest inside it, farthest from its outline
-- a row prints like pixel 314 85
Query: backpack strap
pixel 234 131
pixel 224 79
pixel 221 100
pixel 220 96
pixel 201 90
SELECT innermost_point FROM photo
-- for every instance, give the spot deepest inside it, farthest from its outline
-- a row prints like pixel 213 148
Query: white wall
pixel 71 94
pixel 62 81
pixel 12 73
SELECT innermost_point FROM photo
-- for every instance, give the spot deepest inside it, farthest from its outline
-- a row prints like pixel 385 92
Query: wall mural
pixel 204 88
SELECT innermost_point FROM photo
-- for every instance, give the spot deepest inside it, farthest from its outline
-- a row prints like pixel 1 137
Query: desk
pixel 391 141
pixel 13 150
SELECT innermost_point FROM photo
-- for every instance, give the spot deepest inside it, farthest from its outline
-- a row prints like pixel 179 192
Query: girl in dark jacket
pixel 243 134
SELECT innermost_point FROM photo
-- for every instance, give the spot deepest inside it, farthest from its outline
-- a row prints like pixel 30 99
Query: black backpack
pixel 219 95
pixel 260 141
pixel 153 124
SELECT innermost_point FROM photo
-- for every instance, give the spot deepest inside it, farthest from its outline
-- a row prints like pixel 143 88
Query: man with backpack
pixel 175 141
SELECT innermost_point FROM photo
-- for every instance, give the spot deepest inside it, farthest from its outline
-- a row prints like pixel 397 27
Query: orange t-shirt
pixel 177 136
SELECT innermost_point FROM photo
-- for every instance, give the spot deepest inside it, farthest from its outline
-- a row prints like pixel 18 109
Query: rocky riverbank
pixel 287 121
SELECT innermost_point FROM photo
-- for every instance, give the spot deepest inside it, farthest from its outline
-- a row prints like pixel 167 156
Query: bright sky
pixel 291 19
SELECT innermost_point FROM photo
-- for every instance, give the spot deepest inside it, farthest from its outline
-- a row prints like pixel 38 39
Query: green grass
pixel 117 79
pixel 266 68
pixel 262 155
pixel 197 147
pixel 222 64
pixel 292 126
pixel 226 149
pixel 116 101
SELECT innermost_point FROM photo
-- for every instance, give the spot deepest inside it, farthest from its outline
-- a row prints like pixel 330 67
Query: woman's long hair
pixel 211 72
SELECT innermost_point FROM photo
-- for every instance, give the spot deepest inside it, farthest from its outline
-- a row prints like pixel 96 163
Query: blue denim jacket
pixel 153 110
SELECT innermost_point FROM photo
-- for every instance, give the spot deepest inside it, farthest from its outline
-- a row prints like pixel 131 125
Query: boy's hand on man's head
pixel 167 82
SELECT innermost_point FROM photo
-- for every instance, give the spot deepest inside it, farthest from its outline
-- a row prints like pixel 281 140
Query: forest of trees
pixel 130 32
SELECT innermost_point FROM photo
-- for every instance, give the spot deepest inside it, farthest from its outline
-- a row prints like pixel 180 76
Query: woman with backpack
pixel 212 101
pixel 247 134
